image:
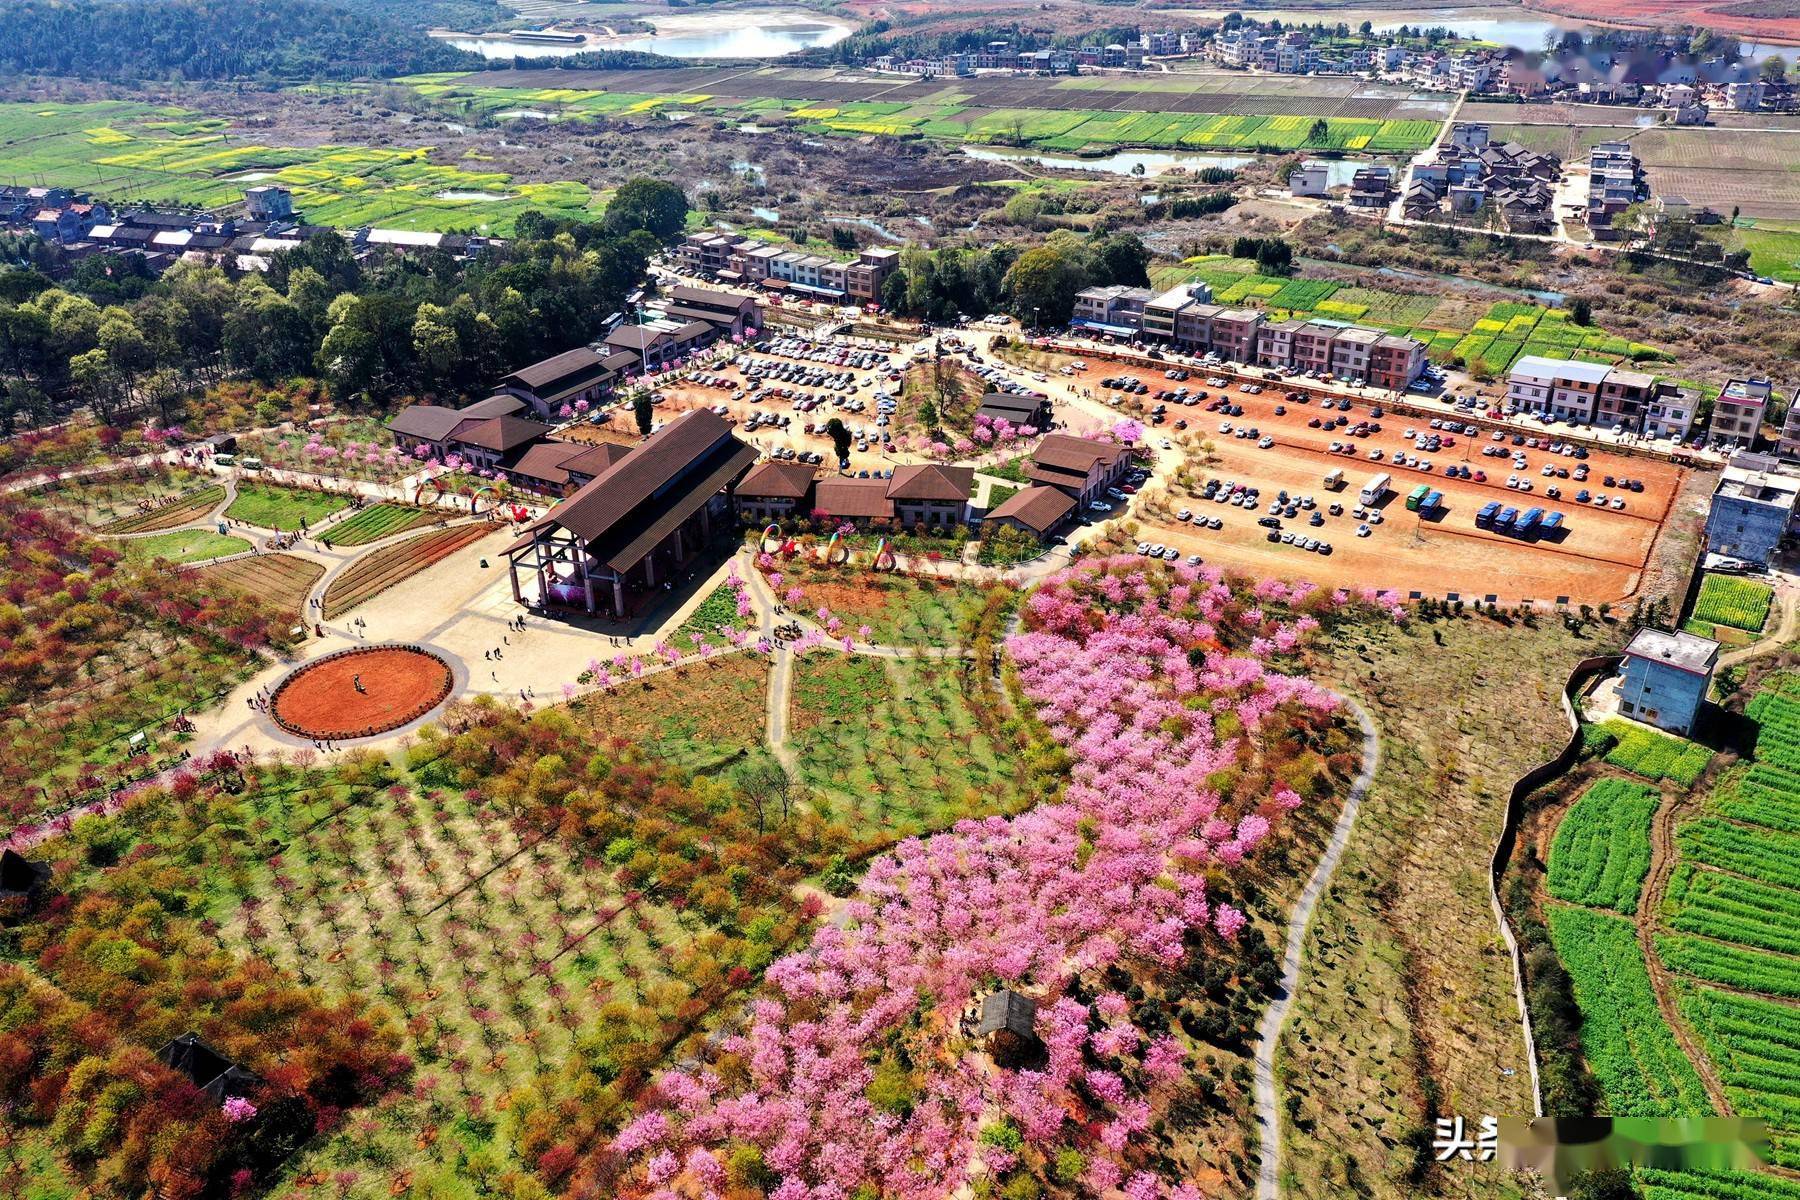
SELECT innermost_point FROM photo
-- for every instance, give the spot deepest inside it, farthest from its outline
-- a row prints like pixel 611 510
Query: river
pixel 1338 171
pixel 748 33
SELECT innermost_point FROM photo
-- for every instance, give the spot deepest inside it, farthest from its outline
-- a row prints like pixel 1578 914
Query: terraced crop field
pixel 178 511
pixel 1602 848
pixel 1643 751
pixel 122 150
pixel 1729 600
pixel 376 522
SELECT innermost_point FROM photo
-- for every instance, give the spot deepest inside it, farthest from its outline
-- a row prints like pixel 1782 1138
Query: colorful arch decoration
pixel 771 534
pixel 437 489
pixel 884 557
pixel 492 493
pixel 832 547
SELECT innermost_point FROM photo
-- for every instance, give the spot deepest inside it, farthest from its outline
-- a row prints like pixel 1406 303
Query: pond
pixel 1120 162
pixel 749 34
pixel 463 195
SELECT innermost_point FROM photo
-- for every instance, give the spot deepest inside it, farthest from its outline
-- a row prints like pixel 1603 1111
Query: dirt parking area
pixel 849 392
pixel 1599 554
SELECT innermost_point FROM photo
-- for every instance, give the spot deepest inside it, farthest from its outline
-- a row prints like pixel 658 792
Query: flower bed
pixel 361 692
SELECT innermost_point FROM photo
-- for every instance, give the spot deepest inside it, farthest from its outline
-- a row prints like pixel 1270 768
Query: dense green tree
pixel 658 207
pixel 1043 283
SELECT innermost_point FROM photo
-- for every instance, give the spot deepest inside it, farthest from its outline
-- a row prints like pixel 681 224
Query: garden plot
pixel 378 521
pixel 698 717
pixel 129 502
pixel 283 509
pixel 282 580
pixel 184 546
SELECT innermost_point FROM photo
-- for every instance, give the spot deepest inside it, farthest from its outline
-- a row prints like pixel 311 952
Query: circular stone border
pixel 399 720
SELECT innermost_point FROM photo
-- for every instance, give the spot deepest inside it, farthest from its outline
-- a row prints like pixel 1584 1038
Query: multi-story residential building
pixel 1753 507
pixel 1118 310
pixel 1563 388
pixel 1310 180
pixel 1738 412
pixel 1624 395
pixel 267 202
pixel 1615 183
pixel 1664 677
pixel 1745 96
pixel 1275 343
pixel 863 279
pixel 1670 413
pixel 1312 346
pixel 1395 361
pixel 1233 333
pixel 1788 444
pixel 1350 351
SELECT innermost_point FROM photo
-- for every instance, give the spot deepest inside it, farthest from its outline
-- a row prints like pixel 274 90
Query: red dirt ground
pixel 1601 558
pixel 399 685
pixel 1662 14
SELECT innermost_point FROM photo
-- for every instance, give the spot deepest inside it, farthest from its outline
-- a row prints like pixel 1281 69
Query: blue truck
pixel 1552 522
pixel 1488 512
pixel 1505 519
pixel 1527 524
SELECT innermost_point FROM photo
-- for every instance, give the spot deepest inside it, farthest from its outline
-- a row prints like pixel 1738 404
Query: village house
pixel 1664 676
pixel 1082 468
pixel 1738 412
pixel 574 376
pixel 775 490
pixel 928 495
pixel 1040 511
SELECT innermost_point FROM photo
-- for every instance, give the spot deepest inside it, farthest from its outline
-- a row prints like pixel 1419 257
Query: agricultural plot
pixel 504 946
pixel 1602 848
pixel 716 613
pixel 1774 247
pixel 281 580
pixel 1658 1184
pixel 898 609
pixel 697 717
pixel 1637 1061
pixel 1777 715
pixel 1643 751
pixel 1765 855
pixel 1240 114
pixel 1761 795
pixel 1748 170
pixel 130 502
pixel 126 151
pixel 376 522
pixel 184 546
pixel 1729 909
pixel 381 569
pixel 894 744
pixel 1755 1045
pixel 1730 600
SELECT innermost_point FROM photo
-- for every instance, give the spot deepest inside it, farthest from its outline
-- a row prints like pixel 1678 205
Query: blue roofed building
pixel 1753 508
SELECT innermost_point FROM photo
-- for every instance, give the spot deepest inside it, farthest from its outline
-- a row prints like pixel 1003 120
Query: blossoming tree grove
pixel 1160 689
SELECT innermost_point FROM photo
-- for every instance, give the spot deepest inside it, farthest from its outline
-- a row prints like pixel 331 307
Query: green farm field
pixel 129 152
pixel 1157 113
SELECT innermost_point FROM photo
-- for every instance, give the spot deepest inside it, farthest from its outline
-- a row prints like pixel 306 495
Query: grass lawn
pixel 717 611
pixel 894 744
pixel 184 545
pixel 271 506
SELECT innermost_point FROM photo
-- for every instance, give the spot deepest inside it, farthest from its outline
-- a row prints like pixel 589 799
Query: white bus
pixel 1375 489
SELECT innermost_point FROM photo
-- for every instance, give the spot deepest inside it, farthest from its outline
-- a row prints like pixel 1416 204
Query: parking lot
pixel 1267 441
pixel 783 391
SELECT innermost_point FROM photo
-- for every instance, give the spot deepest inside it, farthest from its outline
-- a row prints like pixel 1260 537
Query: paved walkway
pixel 1268 1114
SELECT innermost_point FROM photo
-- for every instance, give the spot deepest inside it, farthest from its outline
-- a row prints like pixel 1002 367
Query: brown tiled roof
pixel 854 498
pixel 502 434
pixel 499 405
pixel 556 372
pixel 595 459
pixel 1002 403
pixel 634 337
pixel 622 514
pixel 778 480
pixel 687 312
pixel 547 461
pixel 694 329
pixel 1039 508
pixel 428 421
pixel 1063 452
pixel 929 481
pixel 699 297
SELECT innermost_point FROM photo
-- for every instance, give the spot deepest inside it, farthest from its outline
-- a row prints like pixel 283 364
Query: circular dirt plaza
pixel 362 692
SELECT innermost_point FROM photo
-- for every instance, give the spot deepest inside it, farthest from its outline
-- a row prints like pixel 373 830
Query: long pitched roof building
pixel 606 548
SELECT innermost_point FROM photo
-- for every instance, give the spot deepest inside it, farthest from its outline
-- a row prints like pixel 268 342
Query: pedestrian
pixel 488 655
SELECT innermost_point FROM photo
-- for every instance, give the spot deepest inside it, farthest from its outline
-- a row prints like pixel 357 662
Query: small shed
pixel 21 880
pixel 1007 1020
pixel 206 1068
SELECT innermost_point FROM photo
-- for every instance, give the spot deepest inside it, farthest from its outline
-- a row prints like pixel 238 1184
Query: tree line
pixel 214 39
pixel 121 341
pixel 1039 283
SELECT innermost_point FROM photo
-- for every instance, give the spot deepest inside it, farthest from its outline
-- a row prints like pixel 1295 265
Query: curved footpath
pixel 1268 1117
